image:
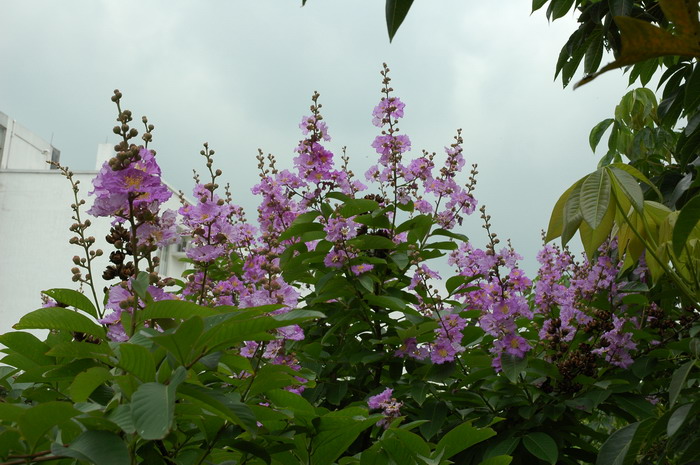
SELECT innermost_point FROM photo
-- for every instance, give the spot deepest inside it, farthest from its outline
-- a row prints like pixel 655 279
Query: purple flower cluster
pixel 500 297
pixel 407 180
pixel 389 406
pixel 564 290
pixel 118 192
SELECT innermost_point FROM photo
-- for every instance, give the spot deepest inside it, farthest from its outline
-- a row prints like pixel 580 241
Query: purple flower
pixel 138 183
pixel 361 268
pixel 205 253
pixel 391 107
pixel 340 229
pixel 390 406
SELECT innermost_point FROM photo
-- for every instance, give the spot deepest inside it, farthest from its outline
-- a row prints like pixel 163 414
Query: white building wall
pixel 22 149
pixel 35 215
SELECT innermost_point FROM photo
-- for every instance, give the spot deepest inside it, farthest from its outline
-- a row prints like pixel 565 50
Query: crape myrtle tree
pixel 319 331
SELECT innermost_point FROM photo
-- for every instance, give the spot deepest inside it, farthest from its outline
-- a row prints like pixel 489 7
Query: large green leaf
pixel 688 218
pixel 678 382
pixel 677 419
pixel 624 185
pixel 572 215
pixel 97 447
pixel 637 174
pixel 86 382
pixel 60 319
pixel 498 460
pixel 542 446
pixel 556 220
pixel 80 350
pixel 371 242
pixel 179 309
pixel 396 11
pixel 595 197
pixel 337 431
pixel 28 345
pixel 219 404
pixel 460 438
pixel 295 403
pixel 512 366
pixel 622 446
pixel 153 407
pixel 183 341
pixel 38 420
pixel 354 207
pixel 271 377
pixel 138 361
pixel 73 298
pixel 598 131
pixel 435 413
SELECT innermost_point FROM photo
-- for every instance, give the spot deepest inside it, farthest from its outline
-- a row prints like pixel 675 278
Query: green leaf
pixel 556 220
pixel 637 174
pixel 97 447
pixel 86 382
pixel 498 460
pixel 297 229
pixel 73 298
pixel 219 404
pixel 512 366
pixel 58 318
pixel 38 420
pixel 447 233
pixel 307 217
pixel 435 413
pixel 636 406
pixel 370 242
pixel 594 53
pixel 80 350
pixel 385 301
pixel 396 11
pixel 400 259
pixel 572 215
pixel 622 446
pixel 140 284
pixel 153 407
pixel 138 361
pixel 300 407
pixel 178 309
pixel 592 239
pixel 296 317
pixel 460 438
pixel 183 341
pixel 121 416
pixel 271 377
pixel 354 207
pixel 10 412
pixel 537 4
pixel 337 431
pixel 678 418
pixel 595 197
pixel 678 382
pixel 559 8
pixel 542 446
pixel 598 131
pixel 688 218
pixel 624 184
pixel 27 345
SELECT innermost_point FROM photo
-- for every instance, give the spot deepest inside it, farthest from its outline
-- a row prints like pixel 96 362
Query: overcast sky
pixel 239 74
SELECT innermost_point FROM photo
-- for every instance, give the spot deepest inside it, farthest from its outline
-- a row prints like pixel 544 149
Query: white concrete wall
pixel 21 148
pixel 35 254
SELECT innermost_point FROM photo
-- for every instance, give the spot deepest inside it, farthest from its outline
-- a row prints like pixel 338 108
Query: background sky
pixel 240 74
